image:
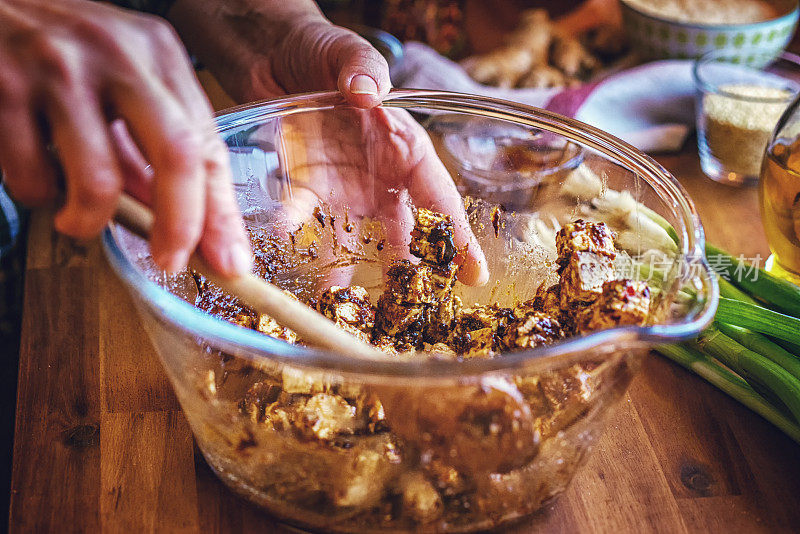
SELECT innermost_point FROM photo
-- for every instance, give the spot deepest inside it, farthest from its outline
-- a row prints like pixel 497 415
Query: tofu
pixel 531 330
pixel 621 303
pixel 362 478
pixel 407 283
pixel 393 318
pixel 269 326
pixel 296 381
pixel 348 305
pixel 350 308
pixel 432 238
pixel 438 320
pixel 478 330
pixel 585 260
pixel 420 499
pixel 581 236
pixel 324 416
pixel 583 276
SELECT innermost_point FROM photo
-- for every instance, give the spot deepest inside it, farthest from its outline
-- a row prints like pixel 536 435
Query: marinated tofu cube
pixel 392 318
pixel 581 236
pixel 361 479
pixel 325 416
pixel 477 331
pixel 432 237
pixel 348 305
pixel 407 283
pixel 296 381
pixel 531 330
pixel 421 501
pixel 546 300
pixel 269 326
pixel 622 302
pixel 438 320
pixel 583 276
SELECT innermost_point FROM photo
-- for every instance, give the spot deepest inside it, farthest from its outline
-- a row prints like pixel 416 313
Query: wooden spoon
pixel 311 326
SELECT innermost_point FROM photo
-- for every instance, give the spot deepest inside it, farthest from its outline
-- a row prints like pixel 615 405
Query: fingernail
pixel 173 261
pixel 241 261
pixel 362 84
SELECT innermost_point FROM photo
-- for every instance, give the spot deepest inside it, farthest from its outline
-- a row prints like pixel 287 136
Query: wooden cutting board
pixel 101 443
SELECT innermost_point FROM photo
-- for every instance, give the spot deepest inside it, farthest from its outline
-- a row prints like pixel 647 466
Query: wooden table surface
pixel 101 442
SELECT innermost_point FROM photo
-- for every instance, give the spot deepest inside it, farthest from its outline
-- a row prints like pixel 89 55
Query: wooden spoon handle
pixel 311 326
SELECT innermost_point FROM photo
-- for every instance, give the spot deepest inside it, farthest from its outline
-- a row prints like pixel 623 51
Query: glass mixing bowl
pixel 339 462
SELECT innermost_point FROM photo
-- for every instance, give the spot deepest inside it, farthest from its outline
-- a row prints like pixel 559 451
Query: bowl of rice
pixel 688 29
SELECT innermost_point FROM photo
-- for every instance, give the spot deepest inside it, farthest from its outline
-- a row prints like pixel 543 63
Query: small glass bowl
pixel 503 163
pixel 738 104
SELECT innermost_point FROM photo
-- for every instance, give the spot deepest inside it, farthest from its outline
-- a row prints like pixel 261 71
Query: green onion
pixel 730 291
pixel 775 291
pixel 763 346
pixel 731 384
pixel 758 319
pixel 750 364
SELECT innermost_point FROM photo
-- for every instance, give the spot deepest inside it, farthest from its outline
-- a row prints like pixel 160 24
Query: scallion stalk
pixel 766 287
pixel 731 384
pixel 763 346
pixel 758 319
pixel 753 366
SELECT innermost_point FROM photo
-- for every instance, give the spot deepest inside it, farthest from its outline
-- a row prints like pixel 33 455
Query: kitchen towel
pixel 650 106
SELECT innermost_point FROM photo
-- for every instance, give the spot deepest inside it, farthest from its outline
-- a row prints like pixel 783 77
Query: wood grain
pixel 101 445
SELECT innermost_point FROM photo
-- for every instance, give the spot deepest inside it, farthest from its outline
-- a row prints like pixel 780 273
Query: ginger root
pixel 526 48
pixel 539 54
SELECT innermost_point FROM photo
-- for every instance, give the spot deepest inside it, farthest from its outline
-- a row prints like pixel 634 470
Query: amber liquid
pixel 779 192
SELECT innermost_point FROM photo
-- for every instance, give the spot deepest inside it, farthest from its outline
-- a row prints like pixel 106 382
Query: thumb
pixel 363 76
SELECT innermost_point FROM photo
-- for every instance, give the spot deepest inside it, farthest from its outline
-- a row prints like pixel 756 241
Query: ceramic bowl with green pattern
pixel 660 38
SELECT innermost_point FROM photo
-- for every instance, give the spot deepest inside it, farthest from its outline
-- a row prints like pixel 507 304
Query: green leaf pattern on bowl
pixel 659 39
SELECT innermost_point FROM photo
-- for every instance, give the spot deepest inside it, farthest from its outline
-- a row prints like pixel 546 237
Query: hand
pixel 261 49
pixel 265 48
pixel 373 164
pixel 71 68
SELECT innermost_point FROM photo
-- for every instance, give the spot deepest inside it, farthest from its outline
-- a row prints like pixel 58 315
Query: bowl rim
pixel 744 26
pixel 258 347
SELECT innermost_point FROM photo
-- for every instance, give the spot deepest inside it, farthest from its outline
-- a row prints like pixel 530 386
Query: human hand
pixel 71 68
pixel 265 48
pixel 377 164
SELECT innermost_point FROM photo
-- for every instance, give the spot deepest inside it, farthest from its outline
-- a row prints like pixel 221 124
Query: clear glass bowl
pixel 367 477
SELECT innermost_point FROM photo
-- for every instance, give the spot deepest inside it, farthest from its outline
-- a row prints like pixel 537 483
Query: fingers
pixel 27 169
pixel 431 187
pixel 173 144
pixel 28 172
pixel 93 180
pixel 363 71
pixel 136 172
pixel 224 243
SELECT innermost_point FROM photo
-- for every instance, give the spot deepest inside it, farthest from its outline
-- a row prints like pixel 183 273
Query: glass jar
pixel 779 195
